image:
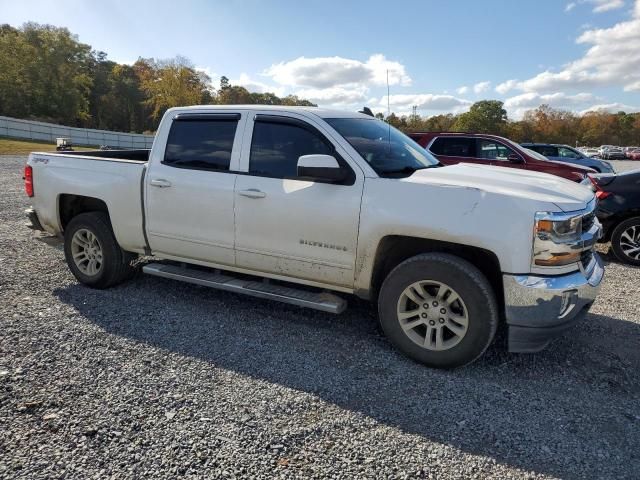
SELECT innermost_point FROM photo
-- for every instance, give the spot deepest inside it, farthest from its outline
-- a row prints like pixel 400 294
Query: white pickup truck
pixel 305 205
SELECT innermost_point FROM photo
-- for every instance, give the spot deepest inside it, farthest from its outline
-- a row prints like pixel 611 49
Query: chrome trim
pixel 543 301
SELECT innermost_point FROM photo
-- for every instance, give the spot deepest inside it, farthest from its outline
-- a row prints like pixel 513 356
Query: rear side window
pixel 203 144
pixel 546 150
pixel 276 147
pixel 453 147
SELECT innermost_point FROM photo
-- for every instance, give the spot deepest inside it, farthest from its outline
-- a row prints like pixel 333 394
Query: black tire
pixel 472 287
pixel 617 240
pixel 116 263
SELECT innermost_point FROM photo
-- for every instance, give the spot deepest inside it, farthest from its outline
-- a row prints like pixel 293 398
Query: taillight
pixel 600 194
pixel 28 180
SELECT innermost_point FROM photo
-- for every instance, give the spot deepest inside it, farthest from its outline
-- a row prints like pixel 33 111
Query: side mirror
pixel 514 158
pixel 320 167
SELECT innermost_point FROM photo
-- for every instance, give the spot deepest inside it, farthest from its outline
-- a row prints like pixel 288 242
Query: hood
pixel 578 168
pixel 565 194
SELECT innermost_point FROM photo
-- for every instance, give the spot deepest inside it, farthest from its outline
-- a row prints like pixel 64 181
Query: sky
pixel 440 56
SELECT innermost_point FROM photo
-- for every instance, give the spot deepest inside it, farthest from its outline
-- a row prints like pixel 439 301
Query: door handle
pixel 160 182
pixel 252 193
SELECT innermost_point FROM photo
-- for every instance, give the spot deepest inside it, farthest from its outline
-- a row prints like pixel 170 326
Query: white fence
pixel 13 127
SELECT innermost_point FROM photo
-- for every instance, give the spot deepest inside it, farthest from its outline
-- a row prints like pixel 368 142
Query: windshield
pixel 387 150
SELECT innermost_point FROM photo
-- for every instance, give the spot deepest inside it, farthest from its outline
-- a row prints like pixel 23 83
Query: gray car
pixel 567 154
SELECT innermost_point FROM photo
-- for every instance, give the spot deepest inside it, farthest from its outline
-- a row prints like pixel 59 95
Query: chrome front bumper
pixel 539 308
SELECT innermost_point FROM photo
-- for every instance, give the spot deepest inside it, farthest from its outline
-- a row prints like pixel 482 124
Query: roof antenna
pixel 388 112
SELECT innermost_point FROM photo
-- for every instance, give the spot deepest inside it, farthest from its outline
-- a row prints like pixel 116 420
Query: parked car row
pixel 483 149
pixel 565 153
pixel 611 152
pixel 619 212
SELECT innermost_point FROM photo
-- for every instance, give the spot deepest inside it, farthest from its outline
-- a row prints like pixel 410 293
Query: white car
pixel 308 206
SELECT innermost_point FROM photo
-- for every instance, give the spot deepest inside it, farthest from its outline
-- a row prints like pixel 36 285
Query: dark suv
pixel 567 154
pixel 452 148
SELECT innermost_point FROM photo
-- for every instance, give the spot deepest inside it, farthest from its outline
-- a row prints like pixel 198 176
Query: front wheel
pixel 438 309
pixel 92 251
pixel 625 241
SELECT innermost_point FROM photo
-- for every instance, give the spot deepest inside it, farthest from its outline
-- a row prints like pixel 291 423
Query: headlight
pixel 565 228
pixel 554 239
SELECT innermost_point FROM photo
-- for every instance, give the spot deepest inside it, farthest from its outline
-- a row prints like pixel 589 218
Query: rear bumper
pixel 539 308
pixel 34 221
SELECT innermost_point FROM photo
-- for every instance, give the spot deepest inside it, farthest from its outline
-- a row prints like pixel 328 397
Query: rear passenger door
pixel 189 188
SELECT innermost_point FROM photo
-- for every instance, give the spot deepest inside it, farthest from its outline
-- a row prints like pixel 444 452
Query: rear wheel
pixel 92 252
pixel 438 309
pixel 625 241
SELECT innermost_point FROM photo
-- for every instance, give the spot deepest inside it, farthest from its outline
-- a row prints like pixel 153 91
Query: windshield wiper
pixel 408 170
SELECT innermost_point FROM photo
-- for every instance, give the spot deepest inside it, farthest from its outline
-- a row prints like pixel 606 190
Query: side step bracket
pixel 325 301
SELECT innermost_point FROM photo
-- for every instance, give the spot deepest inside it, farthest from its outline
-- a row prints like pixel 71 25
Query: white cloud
pixel 255 86
pixel 425 101
pixel 336 96
pixel 600 6
pixel 462 90
pixel 613 58
pixel 209 73
pixel 481 87
pixel 570 6
pixel 504 87
pixel 558 99
pixel 519 104
pixel 324 72
pixel 612 108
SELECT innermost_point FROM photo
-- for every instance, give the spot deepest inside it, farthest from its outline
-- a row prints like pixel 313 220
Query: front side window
pixel 200 144
pixel 565 152
pixel 388 151
pixel 276 147
pixel 492 150
pixel 453 146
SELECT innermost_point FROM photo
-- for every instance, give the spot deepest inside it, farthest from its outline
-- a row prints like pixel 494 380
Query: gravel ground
pixel 160 379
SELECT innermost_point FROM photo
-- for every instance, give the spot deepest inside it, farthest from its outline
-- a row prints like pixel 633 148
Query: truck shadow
pixel 565 412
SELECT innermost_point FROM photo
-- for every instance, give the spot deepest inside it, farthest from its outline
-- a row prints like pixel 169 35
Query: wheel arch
pixel 71 205
pixel 395 249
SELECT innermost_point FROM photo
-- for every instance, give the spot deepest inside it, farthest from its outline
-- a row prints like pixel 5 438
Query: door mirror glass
pixel 512 157
pixel 320 167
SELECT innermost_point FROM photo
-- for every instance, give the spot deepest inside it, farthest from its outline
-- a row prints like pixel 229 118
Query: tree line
pixel 47 74
pixel 543 124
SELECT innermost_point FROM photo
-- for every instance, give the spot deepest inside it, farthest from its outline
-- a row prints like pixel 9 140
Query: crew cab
pixel 483 149
pixel 309 206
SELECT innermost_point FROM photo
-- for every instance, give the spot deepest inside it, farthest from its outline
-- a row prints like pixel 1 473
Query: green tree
pixel 485 116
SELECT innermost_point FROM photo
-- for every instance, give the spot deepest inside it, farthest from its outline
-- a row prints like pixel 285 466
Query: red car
pixel 452 148
pixel 633 154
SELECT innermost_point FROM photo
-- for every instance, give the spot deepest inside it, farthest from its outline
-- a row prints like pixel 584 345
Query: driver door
pixel 288 226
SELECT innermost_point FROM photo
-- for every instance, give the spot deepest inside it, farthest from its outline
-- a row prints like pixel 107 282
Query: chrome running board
pixel 325 301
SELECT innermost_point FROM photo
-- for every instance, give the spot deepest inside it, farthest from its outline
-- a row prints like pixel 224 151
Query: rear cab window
pixel 201 141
